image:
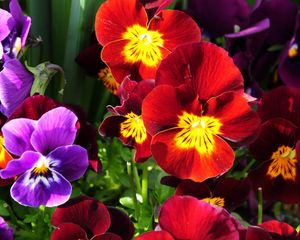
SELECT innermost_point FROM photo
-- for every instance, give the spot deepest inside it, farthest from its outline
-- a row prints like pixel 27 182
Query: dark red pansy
pixel 280 230
pixel 88 216
pixel 126 122
pixel 134 45
pixel 34 107
pixel 185 217
pixel 224 192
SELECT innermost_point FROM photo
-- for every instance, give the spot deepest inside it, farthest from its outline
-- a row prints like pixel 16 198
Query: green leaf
pixel 127 202
pixel 3 209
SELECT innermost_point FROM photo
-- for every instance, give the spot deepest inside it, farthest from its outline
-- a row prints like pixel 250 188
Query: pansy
pixel 134 45
pixel 185 217
pixel 126 121
pixel 87 218
pixel 224 192
pixel 5 157
pixel 48 158
pixel 196 109
pixel 277 146
pixel 6 233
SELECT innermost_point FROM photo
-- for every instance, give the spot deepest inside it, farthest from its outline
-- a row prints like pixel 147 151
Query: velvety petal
pixel 160 109
pixel 205 66
pixel 177 28
pixel 107 236
pixel 239 122
pixel 86 212
pixel 7 23
pixel 114 17
pixel 68 231
pixel 50 190
pixel 21 165
pixel 34 107
pixel 54 129
pixel 6 232
pixel 254 233
pixel 280 228
pixel 158 235
pixel 188 218
pixel 15 85
pixel 70 161
pixel 120 223
pixel 110 127
pixel 188 163
pixel 281 102
pixel 194 189
pixel 274 133
pixel 17 134
pixel 143 151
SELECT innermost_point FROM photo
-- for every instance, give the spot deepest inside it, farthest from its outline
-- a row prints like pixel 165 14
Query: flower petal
pixel 86 212
pixel 21 165
pixel 17 134
pixel 188 163
pixel 7 23
pixel 239 122
pixel 70 161
pixel 15 85
pixel 177 28
pixel 158 235
pixel 50 190
pixel 54 129
pixel 107 236
pixel 68 231
pixel 282 229
pixel 113 18
pixel 254 233
pixel 205 66
pixel 189 218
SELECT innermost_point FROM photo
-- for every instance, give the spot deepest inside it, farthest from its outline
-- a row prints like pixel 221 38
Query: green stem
pixel 145 183
pixel 260 206
pixel 247 168
pixel 136 178
pixel 136 205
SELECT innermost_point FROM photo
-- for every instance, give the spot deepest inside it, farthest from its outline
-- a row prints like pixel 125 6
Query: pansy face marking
pixel 108 80
pixel 197 132
pixel 134 127
pixel 144 45
pixel 215 201
pixel 284 163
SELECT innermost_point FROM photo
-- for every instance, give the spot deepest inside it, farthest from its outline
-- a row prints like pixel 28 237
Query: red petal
pixel 188 163
pixel 255 233
pixel 280 228
pixel 177 28
pixel 189 218
pixel 198 190
pixel 86 212
pixel 68 231
pixel 240 122
pixel 159 235
pixel 208 67
pixel 143 151
pixel 107 236
pixel 114 16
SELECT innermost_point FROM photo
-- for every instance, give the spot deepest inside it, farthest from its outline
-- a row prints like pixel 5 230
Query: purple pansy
pixel 5 231
pixel 48 161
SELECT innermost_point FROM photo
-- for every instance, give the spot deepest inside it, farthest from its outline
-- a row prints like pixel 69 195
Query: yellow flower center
pixel 284 163
pixel 215 201
pixel 108 80
pixel 143 46
pixel 5 157
pixel 134 127
pixel 41 167
pixel 293 51
pixel 197 132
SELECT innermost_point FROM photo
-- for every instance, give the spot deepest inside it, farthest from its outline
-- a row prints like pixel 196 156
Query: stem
pixel 145 183
pixel 136 206
pixel 260 206
pixel 247 168
pixel 136 178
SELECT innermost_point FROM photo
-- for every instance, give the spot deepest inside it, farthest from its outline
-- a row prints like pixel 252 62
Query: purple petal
pixel 17 133
pixel 23 22
pixel 6 23
pixel 1 51
pixel 21 165
pixel 5 231
pixel 54 129
pixel 258 27
pixel 51 189
pixel 70 161
pixel 15 84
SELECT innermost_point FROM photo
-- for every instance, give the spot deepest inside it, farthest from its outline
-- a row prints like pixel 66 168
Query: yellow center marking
pixel 41 168
pixel 5 157
pixel 143 46
pixel 293 51
pixel 197 132
pixel 284 163
pixel 215 201
pixel 108 80
pixel 134 127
